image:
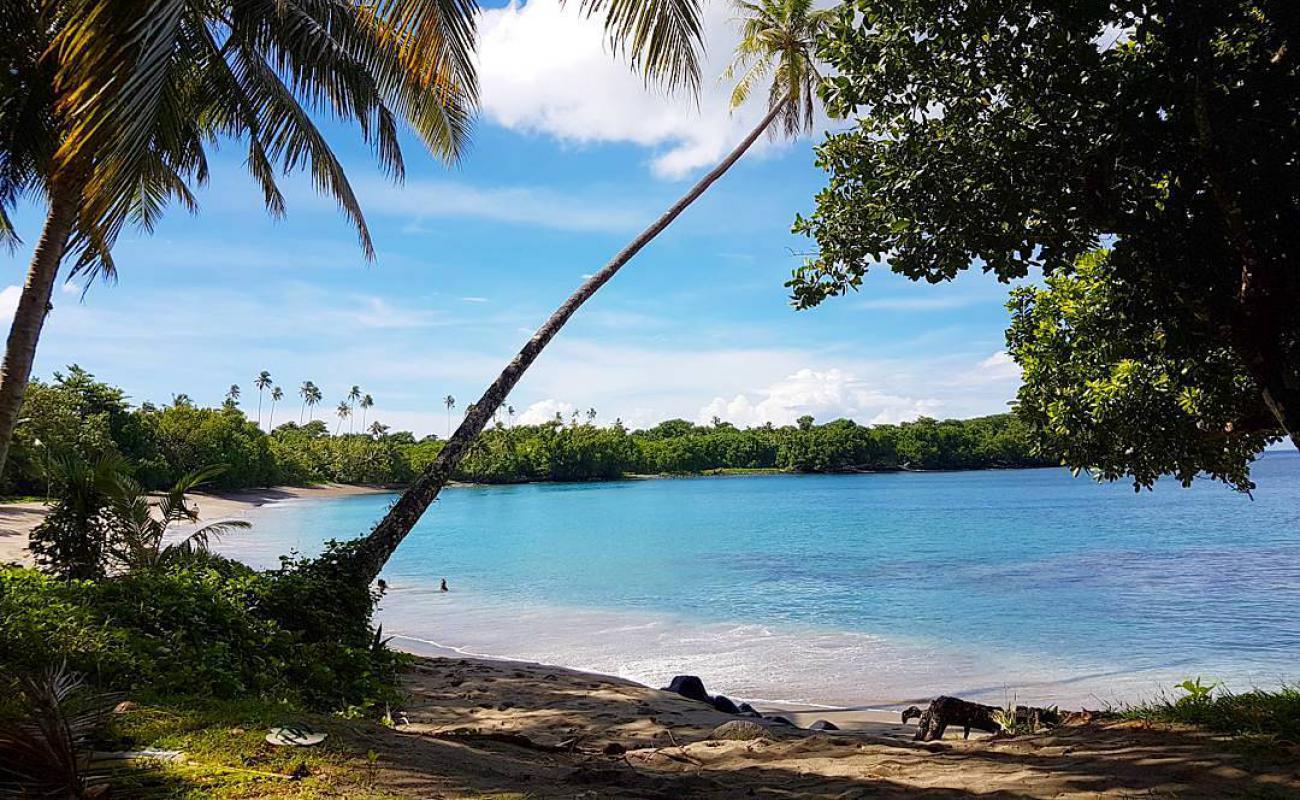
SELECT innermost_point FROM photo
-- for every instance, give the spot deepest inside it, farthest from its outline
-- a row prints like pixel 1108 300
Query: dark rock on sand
pixel 723 703
pixel 823 725
pixel 779 720
pixel 746 708
pixel 689 686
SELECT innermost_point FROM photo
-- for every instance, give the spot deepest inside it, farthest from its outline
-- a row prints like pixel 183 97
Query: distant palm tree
pixel 591 415
pixel 312 400
pixel 277 394
pixel 304 392
pixel 378 429
pixel 262 381
pixel 778 37
pixel 450 403
pixel 181 400
pixel 344 411
pixel 366 403
pixel 510 414
pixel 232 394
pixel 354 397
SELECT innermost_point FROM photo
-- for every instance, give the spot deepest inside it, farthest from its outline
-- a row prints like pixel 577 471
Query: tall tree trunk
pixel 379 545
pixel 33 305
pixel 1263 299
pixel 259 408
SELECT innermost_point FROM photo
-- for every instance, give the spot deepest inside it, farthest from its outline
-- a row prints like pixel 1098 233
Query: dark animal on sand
pixel 945 711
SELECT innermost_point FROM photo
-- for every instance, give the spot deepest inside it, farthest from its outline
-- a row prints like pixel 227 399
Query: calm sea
pixel 850 590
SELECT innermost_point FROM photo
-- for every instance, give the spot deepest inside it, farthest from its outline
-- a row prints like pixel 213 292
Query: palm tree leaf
pixel 664 39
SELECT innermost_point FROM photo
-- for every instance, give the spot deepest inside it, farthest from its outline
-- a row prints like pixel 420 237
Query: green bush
pixel 206 626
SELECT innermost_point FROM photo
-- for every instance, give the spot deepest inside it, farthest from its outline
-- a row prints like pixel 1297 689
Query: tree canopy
pixel 1017 137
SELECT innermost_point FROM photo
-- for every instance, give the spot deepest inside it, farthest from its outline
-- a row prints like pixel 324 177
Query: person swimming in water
pixel 443 587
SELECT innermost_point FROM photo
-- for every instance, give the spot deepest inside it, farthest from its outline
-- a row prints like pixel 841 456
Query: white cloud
pixel 547 69
pixel 525 205
pixel 376 312
pixel 474 300
pixel 9 301
pixel 997 368
pixel 545 411
pixel 826 395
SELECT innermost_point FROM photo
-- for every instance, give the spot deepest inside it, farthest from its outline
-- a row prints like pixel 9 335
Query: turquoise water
pixel 852 589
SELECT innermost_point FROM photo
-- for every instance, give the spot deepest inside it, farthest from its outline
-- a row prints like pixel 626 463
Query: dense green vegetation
pixel 1163 130
pixel 77 416
pixel 1273 714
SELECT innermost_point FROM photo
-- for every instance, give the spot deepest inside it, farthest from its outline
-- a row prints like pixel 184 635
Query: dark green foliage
pixel 206 626
pixel 1257 712
pixel 72 540
pixel 1014 137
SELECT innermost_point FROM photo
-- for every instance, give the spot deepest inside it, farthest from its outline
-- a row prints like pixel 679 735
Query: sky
pixel 571 156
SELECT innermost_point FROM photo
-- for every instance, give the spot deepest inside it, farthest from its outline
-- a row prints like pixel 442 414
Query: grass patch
pixel 1274 714
pixel 226 755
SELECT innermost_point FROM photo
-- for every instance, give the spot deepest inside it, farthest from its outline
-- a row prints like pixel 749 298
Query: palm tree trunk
pixel 259 408
pixel 33 305
pixel 378 546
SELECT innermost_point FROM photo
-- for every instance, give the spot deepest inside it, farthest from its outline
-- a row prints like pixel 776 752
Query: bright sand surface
pixel 18 519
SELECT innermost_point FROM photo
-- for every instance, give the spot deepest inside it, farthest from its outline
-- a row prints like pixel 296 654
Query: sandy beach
pixel 479 727
pixel 18 519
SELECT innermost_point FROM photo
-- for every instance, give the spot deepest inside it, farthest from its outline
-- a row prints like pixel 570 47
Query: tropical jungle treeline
pixel 74 416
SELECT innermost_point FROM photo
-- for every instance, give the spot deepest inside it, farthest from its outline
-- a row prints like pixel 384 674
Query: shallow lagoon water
pixel 850 590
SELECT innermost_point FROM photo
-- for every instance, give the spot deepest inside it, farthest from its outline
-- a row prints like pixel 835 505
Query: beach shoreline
pixel 18 519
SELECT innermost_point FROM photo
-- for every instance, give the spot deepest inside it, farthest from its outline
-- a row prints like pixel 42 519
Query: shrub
pixel 204 626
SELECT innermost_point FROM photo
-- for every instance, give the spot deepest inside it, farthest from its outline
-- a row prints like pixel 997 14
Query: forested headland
pixel 77 417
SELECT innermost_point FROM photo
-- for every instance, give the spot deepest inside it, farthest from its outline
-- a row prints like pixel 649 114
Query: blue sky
pixel 570 158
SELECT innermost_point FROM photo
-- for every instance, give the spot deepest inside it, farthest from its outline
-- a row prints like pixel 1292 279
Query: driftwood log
pixel 945 711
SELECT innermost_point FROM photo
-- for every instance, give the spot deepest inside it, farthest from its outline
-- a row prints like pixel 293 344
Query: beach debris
pixel 740 730
pixel 823 725
pixel 690 687
pixel 722 703
pixel 136 755
pixel 125 706
pixel 294 736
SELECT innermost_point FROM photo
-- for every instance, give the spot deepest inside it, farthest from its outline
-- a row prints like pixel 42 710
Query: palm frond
pixel 200 540
pixel 45 752
pixel 663 39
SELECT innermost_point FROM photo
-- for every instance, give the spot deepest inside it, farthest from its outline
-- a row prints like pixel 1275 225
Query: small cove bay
pixel 849 590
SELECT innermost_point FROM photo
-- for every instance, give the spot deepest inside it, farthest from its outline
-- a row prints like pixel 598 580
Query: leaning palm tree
pixel 277 394
pixel 109 108
pixel 450 403
pixel 778 39
pixel 262 381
